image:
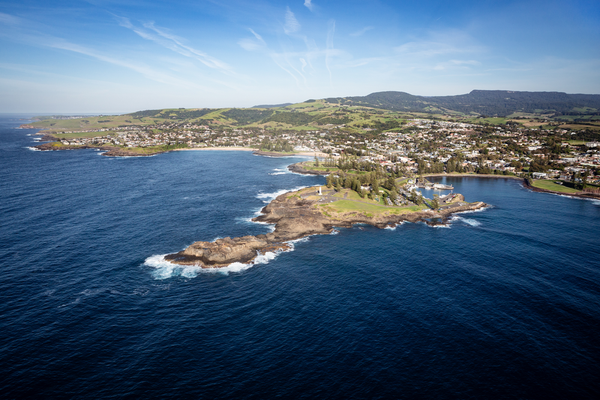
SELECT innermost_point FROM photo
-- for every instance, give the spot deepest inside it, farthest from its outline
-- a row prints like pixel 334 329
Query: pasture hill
pixel 377 112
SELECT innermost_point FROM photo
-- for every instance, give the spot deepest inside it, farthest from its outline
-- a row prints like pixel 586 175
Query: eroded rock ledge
pixel 297 215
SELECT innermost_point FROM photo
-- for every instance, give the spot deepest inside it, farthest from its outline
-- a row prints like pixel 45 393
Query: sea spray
pixel 268 197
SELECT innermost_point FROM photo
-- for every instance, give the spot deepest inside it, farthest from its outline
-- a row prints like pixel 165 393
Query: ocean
pixel 502 303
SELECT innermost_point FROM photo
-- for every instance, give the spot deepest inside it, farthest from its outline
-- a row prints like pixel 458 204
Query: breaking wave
pixel 164 269
pixel 268 197
pixel 33 148
pixel 279 171
pixel 468 221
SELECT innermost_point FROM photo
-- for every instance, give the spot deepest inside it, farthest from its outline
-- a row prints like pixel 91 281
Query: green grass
pixel 76 135
pixel 550 185
pixel 491 121
pixel 350 206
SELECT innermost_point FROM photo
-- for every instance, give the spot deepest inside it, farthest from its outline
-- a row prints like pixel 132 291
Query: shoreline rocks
pixel 582 195
pixel 294 218
pixel 110 150
pixel 299 169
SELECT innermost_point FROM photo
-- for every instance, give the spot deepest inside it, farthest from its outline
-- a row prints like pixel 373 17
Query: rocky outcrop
pixel 299 169
pixel 294 217
pixel 110 151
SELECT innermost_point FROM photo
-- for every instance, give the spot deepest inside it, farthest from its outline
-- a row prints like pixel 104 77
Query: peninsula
pixel 315 211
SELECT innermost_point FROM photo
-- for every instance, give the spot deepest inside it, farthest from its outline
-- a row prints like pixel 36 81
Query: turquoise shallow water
pixel 501 303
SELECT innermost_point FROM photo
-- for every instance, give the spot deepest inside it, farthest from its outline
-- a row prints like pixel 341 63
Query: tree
pixel 435 203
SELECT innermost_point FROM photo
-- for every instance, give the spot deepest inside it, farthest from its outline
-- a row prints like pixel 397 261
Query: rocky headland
pixel 296 215
pixel 109 151
pixel 300 169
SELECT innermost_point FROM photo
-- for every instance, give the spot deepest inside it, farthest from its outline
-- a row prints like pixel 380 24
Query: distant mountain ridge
pixel 484 102
pixel 273 105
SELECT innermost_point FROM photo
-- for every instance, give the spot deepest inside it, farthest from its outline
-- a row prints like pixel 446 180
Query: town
pixel 422 146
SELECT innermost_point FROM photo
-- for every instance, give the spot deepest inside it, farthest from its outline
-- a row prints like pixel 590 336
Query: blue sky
pixel 102 56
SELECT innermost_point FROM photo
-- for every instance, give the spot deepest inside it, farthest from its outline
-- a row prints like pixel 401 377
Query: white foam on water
pixel 164 269
pixel 596 202
pixel 473 211
pixel 265 258
pixel 390 227
pixel 33 148
pixel 301 240
pixel 472 222
pixel 440 226
pixel 268 197
pixel 277 173
pixel 334 232
pixel 468 221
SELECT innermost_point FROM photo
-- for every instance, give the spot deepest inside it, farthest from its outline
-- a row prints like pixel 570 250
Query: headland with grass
pixel 313 211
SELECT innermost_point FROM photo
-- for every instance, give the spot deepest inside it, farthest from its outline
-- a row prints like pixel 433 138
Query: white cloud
pixel 308 4
pixel 361 32
pixel 456 64
pixel 8 19
pixel 440 43
pixel 291 23
pixel 330 50
pixel 172 42
pixel 252 44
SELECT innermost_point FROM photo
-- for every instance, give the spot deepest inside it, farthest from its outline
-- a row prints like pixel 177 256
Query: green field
pixel 350 206
pixel 547 184
pixel 76 135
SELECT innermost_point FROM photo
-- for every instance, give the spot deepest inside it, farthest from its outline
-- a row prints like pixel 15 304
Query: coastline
pixel 300 214
pixel 216 149
pixel 472 175
pixel 582 195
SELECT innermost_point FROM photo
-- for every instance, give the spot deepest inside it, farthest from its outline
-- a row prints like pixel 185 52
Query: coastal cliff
pixel 300 214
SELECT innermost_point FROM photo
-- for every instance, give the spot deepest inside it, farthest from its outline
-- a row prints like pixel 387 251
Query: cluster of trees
pixel 277 145
pixel 425 167
pixel 292 118
pixel 359 182
pixel 247 116
pixel 348 163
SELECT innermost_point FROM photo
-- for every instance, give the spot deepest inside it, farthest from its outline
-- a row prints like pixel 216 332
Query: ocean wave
pixel 468 221
pixel 268 197
pixel 334 232
pixel 33 148
pixel 474 211
pixel 278 173
pixel 164 269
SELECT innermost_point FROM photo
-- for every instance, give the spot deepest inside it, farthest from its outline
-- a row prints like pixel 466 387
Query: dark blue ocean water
pixel 503 303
